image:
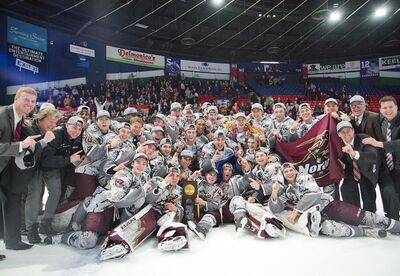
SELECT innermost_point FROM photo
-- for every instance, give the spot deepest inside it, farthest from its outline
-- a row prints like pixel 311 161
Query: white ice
pixel 224 252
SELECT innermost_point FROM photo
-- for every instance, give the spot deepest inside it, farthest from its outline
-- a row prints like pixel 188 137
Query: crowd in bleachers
pixel 230 97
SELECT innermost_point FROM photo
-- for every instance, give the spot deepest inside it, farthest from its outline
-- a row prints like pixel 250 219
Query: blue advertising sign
pixel 25 65
pixel 369 68
pixel 172 66
pixel 26 35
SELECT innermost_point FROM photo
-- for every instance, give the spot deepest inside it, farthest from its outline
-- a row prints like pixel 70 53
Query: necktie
pixel 17 132
pixel 356 171
pixel 389 156
pixel 357 121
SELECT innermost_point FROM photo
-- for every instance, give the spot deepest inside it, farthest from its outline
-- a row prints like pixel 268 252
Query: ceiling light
pixel 259 15
pixel 273 16
pixel 141 26
pixel 217 2
pixel 335 16
pixel 335 5
pixel 269 62
pixel 380 12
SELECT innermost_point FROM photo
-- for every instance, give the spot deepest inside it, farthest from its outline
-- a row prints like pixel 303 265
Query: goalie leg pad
pixel 131 233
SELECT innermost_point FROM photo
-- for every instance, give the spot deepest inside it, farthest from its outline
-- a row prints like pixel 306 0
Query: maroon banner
pixel 317 153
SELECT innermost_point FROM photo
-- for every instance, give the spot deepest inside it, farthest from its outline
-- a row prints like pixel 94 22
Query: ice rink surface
pixel 225 252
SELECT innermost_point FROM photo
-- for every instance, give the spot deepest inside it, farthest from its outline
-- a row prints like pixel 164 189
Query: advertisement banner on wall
pixel 369 68
pixel 318 68
pixel 205 67
pixel 172 66
pixel 392 62
pixel 134 57
pixel 26 53
pixel 26 35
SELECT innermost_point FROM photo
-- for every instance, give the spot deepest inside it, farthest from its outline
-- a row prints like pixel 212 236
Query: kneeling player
pixel 163 211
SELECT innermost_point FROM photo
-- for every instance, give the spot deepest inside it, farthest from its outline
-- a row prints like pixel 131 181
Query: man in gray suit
pixel 11 123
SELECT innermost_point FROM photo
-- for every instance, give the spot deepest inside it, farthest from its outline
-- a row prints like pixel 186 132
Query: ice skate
pixel 113 251
pixel 198 230
pixel 53 239
pixel 314 223
pixel 172 243
pixel 375 233
pixel 241 223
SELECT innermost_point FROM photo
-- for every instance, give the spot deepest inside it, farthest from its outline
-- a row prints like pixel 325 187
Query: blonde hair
pixel 25 89
pixel 136 120
pixel 47 112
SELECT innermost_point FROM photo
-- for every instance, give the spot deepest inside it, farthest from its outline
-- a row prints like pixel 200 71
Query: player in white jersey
pixel 93 216
pixel 163 212
pixel 299 203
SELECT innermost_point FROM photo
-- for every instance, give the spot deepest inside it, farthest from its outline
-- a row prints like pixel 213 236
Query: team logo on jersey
pixel 119 182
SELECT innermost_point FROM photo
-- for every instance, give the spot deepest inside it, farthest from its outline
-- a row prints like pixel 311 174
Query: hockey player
pixel 239 131
pixel 149 148
pixel 175 117
pixel 201 133
pixel 164 211
pixel 189 141
pixel 164 154
pixel 258 119
pixel 212 121
pixel 137 130
pixel 264 174
pixel 216 153
pixel 95 148
pixel 130 113
pixel 306 121
pixel 126 190
pixel 252 144
pixel 189 116
pixel 83 111
pixel 234 208
pixel 281 125
pixel 299 203
pixel 120 151
pixel 209 200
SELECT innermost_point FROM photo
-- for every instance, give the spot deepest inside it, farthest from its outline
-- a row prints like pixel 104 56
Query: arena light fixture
pixel 269 62
pixel 335 16
pixel 217 3
pixel 380 12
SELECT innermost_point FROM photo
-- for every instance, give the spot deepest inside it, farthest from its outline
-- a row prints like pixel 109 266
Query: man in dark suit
pixel 361 164
pixel 11 123
pixel 390 143
pixel 369 123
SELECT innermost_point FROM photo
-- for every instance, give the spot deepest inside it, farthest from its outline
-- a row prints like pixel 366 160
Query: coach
pixel 369 123
pixel 11 123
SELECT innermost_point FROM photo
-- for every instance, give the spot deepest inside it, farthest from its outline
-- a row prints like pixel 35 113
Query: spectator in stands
pixel 268 103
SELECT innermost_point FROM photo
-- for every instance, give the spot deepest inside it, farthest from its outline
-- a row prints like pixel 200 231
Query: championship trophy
pixel 190 193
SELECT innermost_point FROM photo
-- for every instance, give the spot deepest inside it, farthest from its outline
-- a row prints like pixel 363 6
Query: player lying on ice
pixel 304 208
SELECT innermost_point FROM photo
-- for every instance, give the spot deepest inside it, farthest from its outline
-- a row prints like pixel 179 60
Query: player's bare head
pixel 211 176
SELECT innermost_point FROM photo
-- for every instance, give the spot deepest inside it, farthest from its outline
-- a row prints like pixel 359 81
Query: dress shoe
pixel 2 257
pixel 19 246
